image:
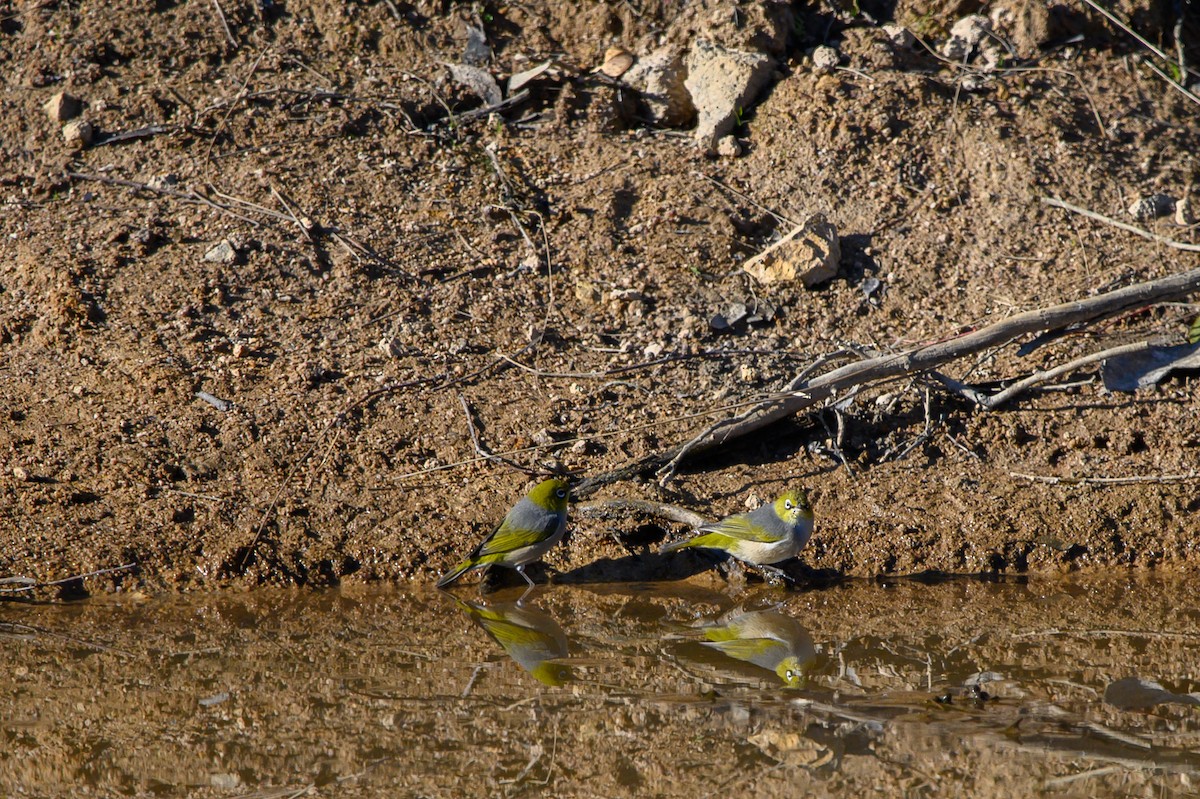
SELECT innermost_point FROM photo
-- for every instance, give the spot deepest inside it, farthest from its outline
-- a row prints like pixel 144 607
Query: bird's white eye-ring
pixel 561 493
pixel 787 503
pixel 789 675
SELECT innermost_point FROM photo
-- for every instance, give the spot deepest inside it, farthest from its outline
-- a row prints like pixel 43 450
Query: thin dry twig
pixel 305 225
pixel 742 195
pixel 1142 40
pixel 225 25
pixel 241 94
pixel 480 448
pixel 29 584
pixel 189 195
pixel 993 401
pixel 1146 234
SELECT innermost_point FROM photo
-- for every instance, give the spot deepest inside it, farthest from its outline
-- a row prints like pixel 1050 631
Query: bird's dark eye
pixel 790 675
pixel 561 493
pixel 787 503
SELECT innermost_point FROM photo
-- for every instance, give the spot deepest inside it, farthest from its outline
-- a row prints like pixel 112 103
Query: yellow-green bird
pixel 529 635
pixel 770 534
pixel 768 639
pixel 534 525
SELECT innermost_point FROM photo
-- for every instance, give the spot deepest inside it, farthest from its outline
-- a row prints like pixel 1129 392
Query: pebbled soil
pixel 550 270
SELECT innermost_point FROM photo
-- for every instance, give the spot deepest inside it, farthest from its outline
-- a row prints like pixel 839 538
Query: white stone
pixel 825 59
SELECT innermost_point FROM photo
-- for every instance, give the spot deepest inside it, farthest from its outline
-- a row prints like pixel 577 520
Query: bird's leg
pixel 774 575
pixel 521 571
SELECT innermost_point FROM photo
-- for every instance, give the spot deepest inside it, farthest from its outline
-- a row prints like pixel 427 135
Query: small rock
pixel 748 373
pixel 723 83
pixel 223 253
pixel 476 52
pixel 973 82
pixel 63 107
pixel 965 36
pixel 659 80
pixel 1185 213
pixel 626 296
pixel 161 182
pixel 736 314
pixel 900 36
pixel 729 147
pixel 763 314
pixel 719 324
pixel 653 350
pixel 78 133
pixel 870 287
pixel 478 81
pixel 587 293
pixel 1152 207
pixel 825 59
pixel 547 437
pixel 811 253
pixel 21 473
pixel 617 61
pixel 752 502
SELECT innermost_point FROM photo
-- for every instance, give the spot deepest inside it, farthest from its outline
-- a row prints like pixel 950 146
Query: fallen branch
pixel 802 393
pixel 992 401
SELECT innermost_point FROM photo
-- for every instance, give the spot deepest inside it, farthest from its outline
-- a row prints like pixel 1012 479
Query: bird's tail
pixel 455 573
pixel 674 545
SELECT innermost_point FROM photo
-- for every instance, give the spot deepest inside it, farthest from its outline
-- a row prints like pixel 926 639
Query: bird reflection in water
pixel 766 638
pixel 529 635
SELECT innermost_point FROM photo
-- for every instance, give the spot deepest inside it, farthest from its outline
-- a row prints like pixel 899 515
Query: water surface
pixel 1075 686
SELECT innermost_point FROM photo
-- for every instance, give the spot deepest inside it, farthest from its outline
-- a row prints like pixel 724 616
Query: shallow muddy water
pixel 1075 687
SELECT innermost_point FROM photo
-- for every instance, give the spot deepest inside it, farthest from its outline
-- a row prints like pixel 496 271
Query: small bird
pixel 534 525
pixel 774 532
pixel 530 636
pixel 768 639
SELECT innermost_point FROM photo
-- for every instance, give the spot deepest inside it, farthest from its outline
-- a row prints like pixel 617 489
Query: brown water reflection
pixel 994 689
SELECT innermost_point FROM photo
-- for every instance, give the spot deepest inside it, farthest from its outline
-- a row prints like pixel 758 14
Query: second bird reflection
pixel 767 638
pixel 529 635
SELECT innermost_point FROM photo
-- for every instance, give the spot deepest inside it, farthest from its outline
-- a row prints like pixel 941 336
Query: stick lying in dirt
pixel 20 584
pixel 802 393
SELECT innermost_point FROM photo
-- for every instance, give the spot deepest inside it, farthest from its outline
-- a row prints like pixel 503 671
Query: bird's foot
pixel 775 576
